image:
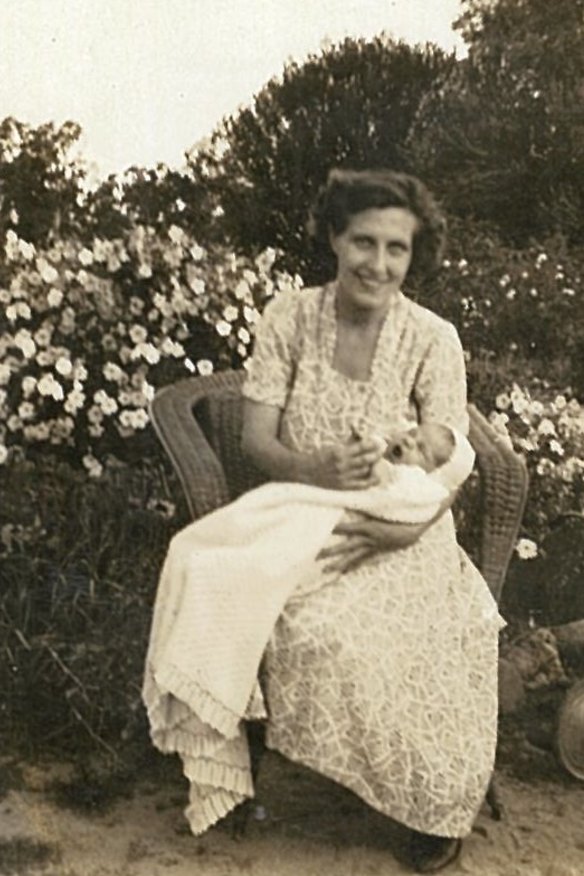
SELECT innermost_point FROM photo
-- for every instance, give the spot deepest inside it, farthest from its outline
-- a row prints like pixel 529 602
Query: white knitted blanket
pixel 225 581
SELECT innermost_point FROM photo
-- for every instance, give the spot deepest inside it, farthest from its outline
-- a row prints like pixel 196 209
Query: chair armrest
pixel 504 483
pixel 199 469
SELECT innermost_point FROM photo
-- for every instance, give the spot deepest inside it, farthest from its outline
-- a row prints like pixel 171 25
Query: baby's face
pixel 427 446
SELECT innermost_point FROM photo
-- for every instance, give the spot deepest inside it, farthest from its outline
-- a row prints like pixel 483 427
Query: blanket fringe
pixel 217 775
pixel 194 698
pixel 186 720
pixel 203 813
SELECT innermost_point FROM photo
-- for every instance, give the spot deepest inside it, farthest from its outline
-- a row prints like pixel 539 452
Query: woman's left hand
pixel 366 537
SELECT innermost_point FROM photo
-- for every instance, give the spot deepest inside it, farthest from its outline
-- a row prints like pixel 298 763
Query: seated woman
pixel 382 673
pixel 386 682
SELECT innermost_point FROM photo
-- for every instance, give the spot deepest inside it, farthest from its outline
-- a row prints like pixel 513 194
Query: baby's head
pixel 428 445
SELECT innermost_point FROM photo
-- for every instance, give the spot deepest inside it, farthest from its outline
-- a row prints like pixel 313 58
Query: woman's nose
pixel 378 262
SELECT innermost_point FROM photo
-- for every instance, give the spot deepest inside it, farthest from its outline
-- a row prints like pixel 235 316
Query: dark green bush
pixel 501 136
pixel 79 562
pixel 519 312
pixel 350 106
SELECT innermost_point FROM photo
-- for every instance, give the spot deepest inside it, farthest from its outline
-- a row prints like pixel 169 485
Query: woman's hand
pixel 365 537
pixel 340 467
pixel 346 466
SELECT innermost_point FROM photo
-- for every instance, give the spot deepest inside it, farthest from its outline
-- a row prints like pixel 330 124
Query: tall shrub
pixel 41 178
pixel 519 312
pixel 352 105
pixel 501 136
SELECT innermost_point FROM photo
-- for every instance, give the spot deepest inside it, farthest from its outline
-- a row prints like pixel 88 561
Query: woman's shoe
pixel 430 854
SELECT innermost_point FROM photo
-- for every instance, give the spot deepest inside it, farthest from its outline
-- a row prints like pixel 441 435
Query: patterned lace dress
pixel 386 680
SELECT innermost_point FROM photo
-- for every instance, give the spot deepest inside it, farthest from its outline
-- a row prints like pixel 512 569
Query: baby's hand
pixel 380 443
pixel 376 446
pixel 373 441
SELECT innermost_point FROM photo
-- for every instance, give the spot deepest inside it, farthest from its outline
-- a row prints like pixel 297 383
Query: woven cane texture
pixel 199 420
pixel 504 481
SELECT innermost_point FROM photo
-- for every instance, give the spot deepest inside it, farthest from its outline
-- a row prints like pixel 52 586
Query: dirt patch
pixel 302 825
pixel 23 855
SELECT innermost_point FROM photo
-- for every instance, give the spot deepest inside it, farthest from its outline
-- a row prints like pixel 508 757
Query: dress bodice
pixel 417 371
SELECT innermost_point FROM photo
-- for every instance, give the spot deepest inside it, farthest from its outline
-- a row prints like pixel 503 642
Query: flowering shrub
pixel 522 310
pixel 549 432
pixel 90 331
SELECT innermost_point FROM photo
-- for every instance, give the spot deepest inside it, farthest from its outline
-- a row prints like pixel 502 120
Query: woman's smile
pixel 374 286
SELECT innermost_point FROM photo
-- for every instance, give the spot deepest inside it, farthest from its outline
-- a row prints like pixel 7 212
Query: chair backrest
pixel 504 484
pixel 199 420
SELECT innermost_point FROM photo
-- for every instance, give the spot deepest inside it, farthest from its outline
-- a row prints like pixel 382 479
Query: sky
pixel 148 79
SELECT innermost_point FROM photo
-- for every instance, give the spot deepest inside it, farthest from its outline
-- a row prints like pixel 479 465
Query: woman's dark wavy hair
pixel 348 192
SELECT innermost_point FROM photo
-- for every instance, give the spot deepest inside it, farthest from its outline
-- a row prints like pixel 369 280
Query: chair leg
pixel 256 738
pixel 256 734
pixel 493 800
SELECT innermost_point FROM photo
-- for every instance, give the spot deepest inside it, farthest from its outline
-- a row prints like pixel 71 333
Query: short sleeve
pixel 440 388
pixel 270 371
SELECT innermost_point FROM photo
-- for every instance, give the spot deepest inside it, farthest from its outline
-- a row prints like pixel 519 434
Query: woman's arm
pixel 340 466
pixel 440 394
pixel 367 536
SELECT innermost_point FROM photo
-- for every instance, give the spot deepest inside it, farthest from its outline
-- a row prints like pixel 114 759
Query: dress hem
pixel 412 824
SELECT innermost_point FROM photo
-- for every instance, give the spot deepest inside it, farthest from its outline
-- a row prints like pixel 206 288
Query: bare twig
pixel 93 734
pixel 68 672
pixel 22 639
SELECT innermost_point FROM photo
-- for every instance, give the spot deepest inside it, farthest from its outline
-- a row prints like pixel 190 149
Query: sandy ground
pixel 307 826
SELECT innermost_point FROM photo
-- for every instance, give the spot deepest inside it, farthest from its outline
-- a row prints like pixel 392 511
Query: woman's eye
pixel 396 451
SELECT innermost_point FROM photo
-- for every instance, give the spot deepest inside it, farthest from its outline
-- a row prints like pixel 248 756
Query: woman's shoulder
pixel 289 314
pixel 294 299
pixel 430 323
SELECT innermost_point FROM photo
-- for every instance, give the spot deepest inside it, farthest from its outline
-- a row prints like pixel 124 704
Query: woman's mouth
pixel 371 283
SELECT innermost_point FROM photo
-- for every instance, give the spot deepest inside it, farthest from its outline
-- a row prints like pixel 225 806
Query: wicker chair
pixel 199 420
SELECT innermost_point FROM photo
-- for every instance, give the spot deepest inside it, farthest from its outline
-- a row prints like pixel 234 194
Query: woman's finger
pixel 362 528
pixel 366 454
pixel 346 545
pixel 360 483
pixel 349 560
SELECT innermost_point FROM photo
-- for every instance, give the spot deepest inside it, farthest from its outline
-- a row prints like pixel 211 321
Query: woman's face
pixel 373 253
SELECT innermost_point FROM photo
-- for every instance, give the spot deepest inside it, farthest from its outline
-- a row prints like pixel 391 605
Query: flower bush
pixel 548 429
pixel 519 312
pixel 90 331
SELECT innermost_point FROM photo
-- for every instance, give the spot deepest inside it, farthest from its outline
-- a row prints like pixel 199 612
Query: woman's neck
pixel 365 318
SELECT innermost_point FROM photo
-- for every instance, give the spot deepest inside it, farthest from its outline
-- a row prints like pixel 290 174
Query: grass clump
pixel 79 562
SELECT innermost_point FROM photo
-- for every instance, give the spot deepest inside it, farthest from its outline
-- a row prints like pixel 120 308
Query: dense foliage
pixel 41 179
pixel 90 331
pixel 351 106
pixel 519 312
pixel 501 136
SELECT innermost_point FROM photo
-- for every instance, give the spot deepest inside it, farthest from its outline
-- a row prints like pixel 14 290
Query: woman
pixel 385 681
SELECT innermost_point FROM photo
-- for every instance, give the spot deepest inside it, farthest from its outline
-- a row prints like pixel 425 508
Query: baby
pixel 421 464
pixel 427 446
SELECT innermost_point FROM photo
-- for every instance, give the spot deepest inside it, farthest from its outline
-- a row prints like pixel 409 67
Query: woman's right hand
pixel 346 466
pixel 338 466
